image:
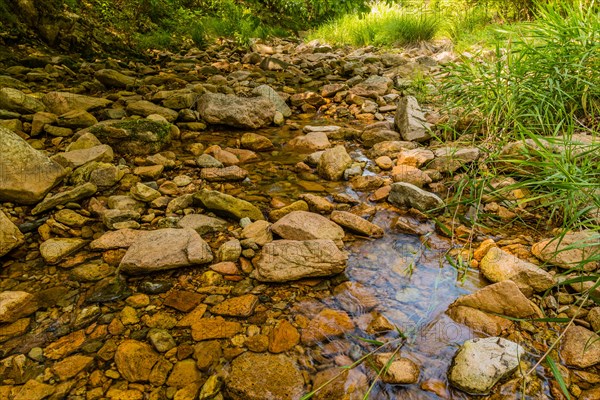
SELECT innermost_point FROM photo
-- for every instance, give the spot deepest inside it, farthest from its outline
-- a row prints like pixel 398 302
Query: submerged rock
pixel 137 137
pixel 259 376
pixel 288 260
pixel 227 205
pixel 480 363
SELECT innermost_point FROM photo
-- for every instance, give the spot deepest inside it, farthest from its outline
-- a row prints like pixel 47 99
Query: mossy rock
pixel 136 137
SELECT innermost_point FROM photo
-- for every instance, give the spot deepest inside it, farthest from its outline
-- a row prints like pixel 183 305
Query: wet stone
pixel 252 375
pixel 283 337
pixel 135 360
pixel 184 301
pixel 327 324
pixel 242 306
pixel 357 224
pixel 400 370
pixel 161 340
pixel 355 298
pixel 214 328
pixel 15 305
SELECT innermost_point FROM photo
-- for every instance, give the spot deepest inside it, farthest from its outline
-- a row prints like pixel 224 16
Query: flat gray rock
pixel 406 195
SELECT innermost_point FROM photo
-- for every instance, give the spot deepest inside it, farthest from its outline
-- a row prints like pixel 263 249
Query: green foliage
pixel 549 75
pixel 384 25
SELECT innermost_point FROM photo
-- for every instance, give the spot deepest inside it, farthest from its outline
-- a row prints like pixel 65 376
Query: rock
pixel 230 206
pixel 288 260
pixel 340 384
pixel 73 195
pixel 183 300
pixel 161 339
pixel 401 370
pixel 203 224
pixel 310 142
pixel 254 375
pixel 415 157
pixel 327 324
pixel 10 236
pixel 391 148
pixel 165 249
pixel 136 137
pixel 242 306
pixel 77 158
pixel 15 305
pixel 17 101
pixel 114 79
pixel 570 250
pixel 449 159
pixel 503 298
pixel 208 161
pixel 146 108
pixel 71 366
pixel 259 232
pixel 371 137
pixel 121 238
pixel 498 265
pixel 229 251
pixel 77 119
pixel 135 360
pixel 27 174
pixel 54 250
pixel 62 102
pixel 317 203
pixel 405 195
pixel 355 298
pixel 333 163
pixel 384 162
pixel 580 347
pixel 480 363
pixel 256 142
pixel 144 193
pixel 214 328
pixel 479 321
pixel 410 120
pixel 245 113
pixel 304 225
pixel 34 390
pixel 310 98
pixel 374 86
pixel 231 173
pixel 276 215
pixel 274 97
pixel 283 337
pixel 412 175
pixel 184 372
pixel 356 224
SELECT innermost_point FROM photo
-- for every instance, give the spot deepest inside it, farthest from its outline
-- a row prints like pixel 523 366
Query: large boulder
pixel 333 163
pixel 288 260
pixel 165 249
pixel 227 109
pixel 304 225
pixel 410 120
pixel 62 102
pixel 26 175
pixel 137 137
pixel 227 205
pixel 256 376
pixel 10 236
pixel 480 363
pixel 15 100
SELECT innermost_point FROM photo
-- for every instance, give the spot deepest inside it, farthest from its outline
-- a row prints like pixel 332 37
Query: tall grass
pixel 548 76
pixel 384 25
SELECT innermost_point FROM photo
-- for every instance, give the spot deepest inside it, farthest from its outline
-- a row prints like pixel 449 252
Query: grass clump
pixel 548 76
pixel 384 25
